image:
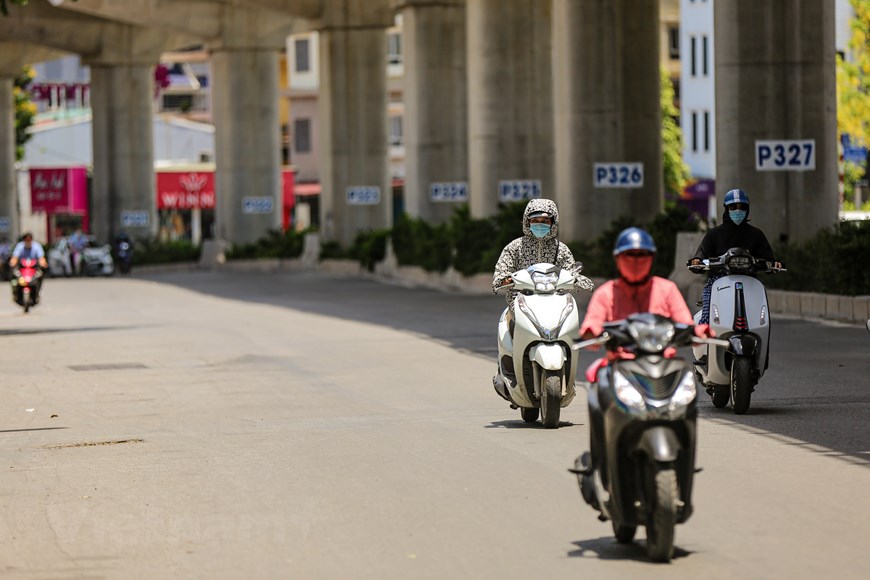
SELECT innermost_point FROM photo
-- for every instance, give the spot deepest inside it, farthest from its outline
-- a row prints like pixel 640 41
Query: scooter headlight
pixel 545 282
pixel 651 336
pixel 684 394
pixel 22 281
pixel 546 333
pixel 627 393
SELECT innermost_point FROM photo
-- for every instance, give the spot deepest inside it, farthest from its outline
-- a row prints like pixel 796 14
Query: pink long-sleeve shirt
pixel 615 300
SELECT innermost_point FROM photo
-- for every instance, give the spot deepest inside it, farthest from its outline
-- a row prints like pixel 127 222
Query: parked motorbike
pixel 739 313
pixel 124 252
pixel 26 282
pixel 642 416
pixel 536 365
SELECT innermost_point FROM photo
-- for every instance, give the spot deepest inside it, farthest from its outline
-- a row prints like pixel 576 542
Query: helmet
pixel 633 239
pixel 735 196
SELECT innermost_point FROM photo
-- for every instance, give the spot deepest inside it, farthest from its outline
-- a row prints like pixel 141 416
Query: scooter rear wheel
pixel 529 415
pixel 624 534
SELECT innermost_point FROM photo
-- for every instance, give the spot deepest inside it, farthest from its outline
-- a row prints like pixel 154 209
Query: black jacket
pixel 728 235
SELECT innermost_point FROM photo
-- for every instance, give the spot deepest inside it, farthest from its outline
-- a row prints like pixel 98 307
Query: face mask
pixel 737 216
pixel 540 230
pixel 634 269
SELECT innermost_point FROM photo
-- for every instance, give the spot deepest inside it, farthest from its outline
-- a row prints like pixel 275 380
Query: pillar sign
pixel 617 175
pixel 4 224
pixel 519 190
pixel 785 155
pixel 455 191
pixel 263 204
pixel 363 195
pixel 134 219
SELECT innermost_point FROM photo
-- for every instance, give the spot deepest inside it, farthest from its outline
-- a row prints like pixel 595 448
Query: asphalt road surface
pixel 302 425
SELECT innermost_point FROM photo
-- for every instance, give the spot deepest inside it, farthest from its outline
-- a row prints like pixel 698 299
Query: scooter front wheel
pixel 551 399
pixel 741 384
pixel 662 516
pixel 720 397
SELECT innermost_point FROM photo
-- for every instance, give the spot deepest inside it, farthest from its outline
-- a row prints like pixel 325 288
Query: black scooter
pixel 642 418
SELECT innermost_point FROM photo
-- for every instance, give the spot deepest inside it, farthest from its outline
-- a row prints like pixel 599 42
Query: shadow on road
pixel 520 424
pixel 29 331
pixel 607 548
pixel 32 429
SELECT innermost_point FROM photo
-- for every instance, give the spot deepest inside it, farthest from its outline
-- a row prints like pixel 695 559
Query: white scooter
pixel 536 366
pixel 739 314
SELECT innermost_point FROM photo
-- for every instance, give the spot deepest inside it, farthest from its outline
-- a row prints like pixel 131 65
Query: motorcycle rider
pixel 635 290
pixel 538 244
pixel 27 248
pixel 76 243
pixel 734 232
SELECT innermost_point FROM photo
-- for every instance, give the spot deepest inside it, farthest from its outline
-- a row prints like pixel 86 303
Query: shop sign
pixel 188 190
pixel 58 189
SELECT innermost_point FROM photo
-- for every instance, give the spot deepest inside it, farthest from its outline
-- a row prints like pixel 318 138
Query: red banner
pixel 185 190
pixel 58 190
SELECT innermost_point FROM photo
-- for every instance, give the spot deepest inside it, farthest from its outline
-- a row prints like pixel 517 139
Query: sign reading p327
pixel 618 175
pixel 785 155
pixel 519 190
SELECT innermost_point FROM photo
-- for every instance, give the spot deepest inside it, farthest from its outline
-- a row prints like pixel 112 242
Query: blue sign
pixel 851 152
pixel 263 204
pixel 519 190
pixel 4 224
pixel 785 155
pixel 457 191
pixel 617 175
pixel 363 195
pixel 134 219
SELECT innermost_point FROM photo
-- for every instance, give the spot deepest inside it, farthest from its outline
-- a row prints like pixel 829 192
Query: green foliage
pixel 332 250
pixel 275 244
pixel 597 255
pixel 155 252
pixel 853 78
pixel 369 247
pixel 419 243
pixel 25 110
pixel 832 262
pixel 4 5
pixel 676 171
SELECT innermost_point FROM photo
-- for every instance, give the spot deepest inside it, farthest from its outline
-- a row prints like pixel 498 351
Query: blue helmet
pixel 633 239
pixel 735 196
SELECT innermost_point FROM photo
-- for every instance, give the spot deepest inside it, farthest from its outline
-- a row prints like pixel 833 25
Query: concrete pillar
pixel 245 95
pixel 353 119
pixel 123 195
pixel 776 79
pixel 436 111
pixel 8 189
pixel 510 98
pixel 606 84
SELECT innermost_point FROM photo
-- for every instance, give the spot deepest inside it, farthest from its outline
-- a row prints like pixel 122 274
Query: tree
pixel 853 94
pixel 4 5
pixel 675 169
pixel 25 110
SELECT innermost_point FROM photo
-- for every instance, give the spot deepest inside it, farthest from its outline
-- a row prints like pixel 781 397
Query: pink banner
pixel 59 190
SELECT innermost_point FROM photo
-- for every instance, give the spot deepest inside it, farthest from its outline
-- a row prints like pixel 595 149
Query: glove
pixel 704 331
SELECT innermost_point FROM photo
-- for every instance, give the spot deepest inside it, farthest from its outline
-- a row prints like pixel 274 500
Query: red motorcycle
pixel 26 281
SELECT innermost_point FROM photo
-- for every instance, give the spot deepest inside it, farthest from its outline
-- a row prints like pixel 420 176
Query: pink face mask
pixel 634 268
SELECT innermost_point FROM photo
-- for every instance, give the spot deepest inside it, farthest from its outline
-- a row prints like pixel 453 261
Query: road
pixel 305 425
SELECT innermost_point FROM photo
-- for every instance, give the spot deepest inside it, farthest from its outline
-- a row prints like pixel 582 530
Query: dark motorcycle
pixel 26 282
pixel 642 416
pixel 124 254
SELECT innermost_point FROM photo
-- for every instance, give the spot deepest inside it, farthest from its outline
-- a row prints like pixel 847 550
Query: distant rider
pixel 538 244
pixel 25 249
pixel 734 232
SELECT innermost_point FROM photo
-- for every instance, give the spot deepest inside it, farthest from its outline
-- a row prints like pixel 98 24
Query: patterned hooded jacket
pixel 528 250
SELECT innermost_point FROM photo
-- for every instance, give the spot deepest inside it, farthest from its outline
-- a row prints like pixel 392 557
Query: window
pixel 704 54
pixel 394 48
pixel 302 135
pixel 706 130
pixel 674 42
pixel 692 59
pixel 300 47
pixel 396 137
pixel 694 132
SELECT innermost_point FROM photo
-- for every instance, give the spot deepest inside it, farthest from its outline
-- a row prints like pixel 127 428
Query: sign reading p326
pixel 785 155
pixel 621 175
